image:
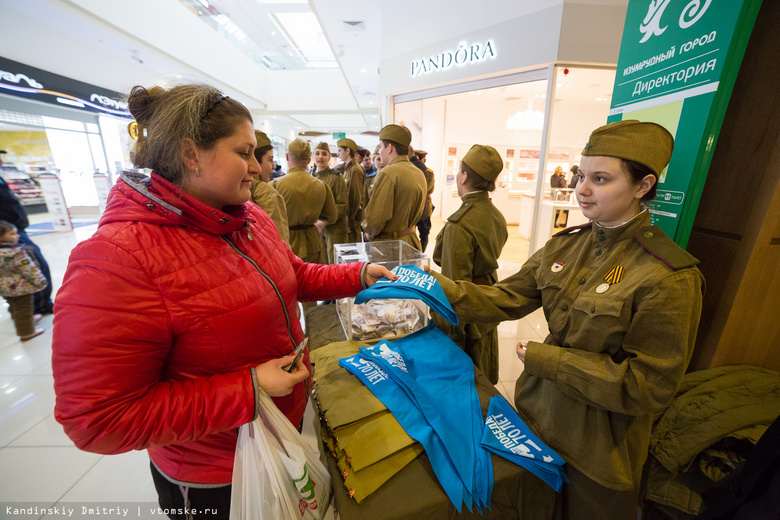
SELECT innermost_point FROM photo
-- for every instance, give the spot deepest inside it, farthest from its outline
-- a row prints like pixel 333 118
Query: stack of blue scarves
pixel 427 382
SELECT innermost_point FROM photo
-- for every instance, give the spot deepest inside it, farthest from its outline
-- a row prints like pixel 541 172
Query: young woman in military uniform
pixel 356 180
pixel 335 232
pixel 468 247
pixel 622 303
pixel 263 194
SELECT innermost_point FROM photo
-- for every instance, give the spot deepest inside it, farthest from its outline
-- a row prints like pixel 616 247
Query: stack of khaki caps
pixel 361 434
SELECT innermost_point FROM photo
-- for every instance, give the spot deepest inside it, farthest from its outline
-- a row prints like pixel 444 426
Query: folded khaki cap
pixel 646 143
pixel 262 139
pixel 299 149
pixel 485 161
pixel 376 150
pixel 323 146
pixel 397 134
pixel 347 143
pixel 422 153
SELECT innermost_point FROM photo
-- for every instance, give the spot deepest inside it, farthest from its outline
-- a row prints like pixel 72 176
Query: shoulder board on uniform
pixel 464 208
pixel 573 229
pixel 655 241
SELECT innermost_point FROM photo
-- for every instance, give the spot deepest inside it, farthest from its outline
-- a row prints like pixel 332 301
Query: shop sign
pixel 677 66
pixel 465 54
pixel 20 80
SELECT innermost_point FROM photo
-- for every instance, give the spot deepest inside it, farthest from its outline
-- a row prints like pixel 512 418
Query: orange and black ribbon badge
pixel 614 275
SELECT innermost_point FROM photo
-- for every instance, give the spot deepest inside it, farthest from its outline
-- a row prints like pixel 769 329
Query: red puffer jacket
pixel 163 315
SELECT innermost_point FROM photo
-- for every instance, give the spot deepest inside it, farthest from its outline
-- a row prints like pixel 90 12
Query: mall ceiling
pixel 306 65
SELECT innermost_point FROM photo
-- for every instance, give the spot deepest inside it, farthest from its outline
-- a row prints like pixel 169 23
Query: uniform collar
pixel 400 158
pixel 603 235
pixel 474 196
pixel 297 171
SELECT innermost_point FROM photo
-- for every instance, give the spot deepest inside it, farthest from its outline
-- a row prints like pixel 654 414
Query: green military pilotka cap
pixel 299 149
pixel 485 161
pixel 323 146
pixel 262 139
pixel 397 134
pixel 644 142
pixel 347 143
pixel 376 150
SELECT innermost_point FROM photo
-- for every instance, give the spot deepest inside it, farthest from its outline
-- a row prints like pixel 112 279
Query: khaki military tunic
pixel 356 180
pixel 430 180
pixel 622 306
pixel 272 203
pixel 397 203
pixel 335 232
pixel 308 200
pixel 370 179
pixel 467 248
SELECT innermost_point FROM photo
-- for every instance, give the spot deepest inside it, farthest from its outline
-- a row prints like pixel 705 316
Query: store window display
pixel 622 303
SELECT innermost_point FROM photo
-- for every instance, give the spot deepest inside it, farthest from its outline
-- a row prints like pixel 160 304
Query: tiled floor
pixel 39 466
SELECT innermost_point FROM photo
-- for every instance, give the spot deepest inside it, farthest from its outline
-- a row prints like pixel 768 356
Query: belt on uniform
pixel 394 235
pixel 301 227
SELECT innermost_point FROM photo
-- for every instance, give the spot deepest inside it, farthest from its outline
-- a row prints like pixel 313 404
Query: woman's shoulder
pixel 655 242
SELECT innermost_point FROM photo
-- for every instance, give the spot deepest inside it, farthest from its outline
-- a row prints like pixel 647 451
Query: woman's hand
pixel 320 225
pixel 521 350
pixel 374 272
pixel 275 381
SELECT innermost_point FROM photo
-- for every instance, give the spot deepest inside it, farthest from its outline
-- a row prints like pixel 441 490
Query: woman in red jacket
pixel 182 306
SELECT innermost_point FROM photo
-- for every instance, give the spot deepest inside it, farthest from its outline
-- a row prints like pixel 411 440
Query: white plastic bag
pixel 276 476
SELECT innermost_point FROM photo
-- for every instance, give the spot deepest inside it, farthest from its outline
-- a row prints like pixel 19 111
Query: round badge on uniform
pixel 557 266
pixel 602 288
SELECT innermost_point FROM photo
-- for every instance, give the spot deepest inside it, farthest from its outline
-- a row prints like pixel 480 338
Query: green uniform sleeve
pixel 339 189
pixel 380 209
pixel 458 262
pixel 329 213
pixel 658 346
pixel 508 299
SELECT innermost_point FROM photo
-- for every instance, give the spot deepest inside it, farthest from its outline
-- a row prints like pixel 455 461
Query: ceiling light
pixel 363 71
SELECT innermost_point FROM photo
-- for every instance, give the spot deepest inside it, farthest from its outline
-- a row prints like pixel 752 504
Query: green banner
pixel 339 135
pixel 677 67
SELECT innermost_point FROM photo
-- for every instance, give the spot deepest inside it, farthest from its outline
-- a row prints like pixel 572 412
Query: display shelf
pixel 26 188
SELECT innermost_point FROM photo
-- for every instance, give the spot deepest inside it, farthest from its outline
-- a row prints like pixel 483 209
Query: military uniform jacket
pixel 272 203
pixel 613 357
pixel 338 187
pixel 356 180
pixel 467 248
pixel 308 200
pixel 397 202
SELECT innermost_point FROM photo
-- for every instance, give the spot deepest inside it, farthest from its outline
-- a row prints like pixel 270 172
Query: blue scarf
pixel 412 283
pixel 507 436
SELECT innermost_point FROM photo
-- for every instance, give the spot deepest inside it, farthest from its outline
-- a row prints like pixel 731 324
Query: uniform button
pixel 601 239
pixel 565 307
pixel 648 234
pixel 598 252
pixel 601 232
pixel 582 281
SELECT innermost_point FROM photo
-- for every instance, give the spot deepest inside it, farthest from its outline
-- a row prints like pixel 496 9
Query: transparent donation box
pixel 386 318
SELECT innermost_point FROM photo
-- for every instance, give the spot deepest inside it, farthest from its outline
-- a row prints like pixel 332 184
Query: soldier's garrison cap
pixel 397 134
pixel 485 161
pixel 347 143
pixel 376 150
pixel 643 142
pixel 262 139
pixel 322 145
pixel 420 153
pixel 299 149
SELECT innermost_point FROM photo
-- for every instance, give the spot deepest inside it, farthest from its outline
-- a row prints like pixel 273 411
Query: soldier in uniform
pixel 356 180
pixel 468 248
pixel 424 225
pixel 398 198
pixel 622 303
pixel 263 194
pixel 335 232
pixel 310 204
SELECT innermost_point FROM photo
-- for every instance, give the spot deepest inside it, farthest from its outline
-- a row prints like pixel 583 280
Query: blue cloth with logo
pixel 507 436
pixel 437 405
pixel 412 283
